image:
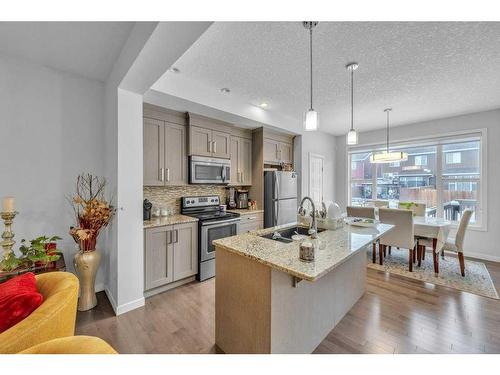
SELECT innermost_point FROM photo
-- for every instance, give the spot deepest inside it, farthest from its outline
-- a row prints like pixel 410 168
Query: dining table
pixel 435 228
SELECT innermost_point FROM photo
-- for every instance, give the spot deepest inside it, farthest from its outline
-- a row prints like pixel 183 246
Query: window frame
pixel 439 141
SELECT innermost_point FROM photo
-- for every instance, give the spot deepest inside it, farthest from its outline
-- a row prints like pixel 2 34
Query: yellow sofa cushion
pixel 54 318
pixel 72 345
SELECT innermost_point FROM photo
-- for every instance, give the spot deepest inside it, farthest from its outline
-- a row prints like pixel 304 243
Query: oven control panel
pixel 200 201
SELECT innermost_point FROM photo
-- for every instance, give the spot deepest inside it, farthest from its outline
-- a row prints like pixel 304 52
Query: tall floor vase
pixel 86 265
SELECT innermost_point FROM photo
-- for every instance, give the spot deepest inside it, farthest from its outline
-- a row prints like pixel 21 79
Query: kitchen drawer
pixel 251 222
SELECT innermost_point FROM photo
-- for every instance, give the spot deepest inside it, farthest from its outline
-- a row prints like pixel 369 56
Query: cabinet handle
pixel 176 236
pixel 168 174
pixel 215 148
pixel 162 174
pixel 209 146
pixel 169 237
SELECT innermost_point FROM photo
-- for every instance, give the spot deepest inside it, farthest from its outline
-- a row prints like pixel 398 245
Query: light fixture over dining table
pixel 388 156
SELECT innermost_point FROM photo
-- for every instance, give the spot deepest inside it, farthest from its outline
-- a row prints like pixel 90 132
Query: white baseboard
pixel 126 307
pixel 482 256
pixel 129 306
pixel 99 287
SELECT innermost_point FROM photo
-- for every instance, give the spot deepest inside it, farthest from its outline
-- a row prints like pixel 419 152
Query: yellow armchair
pixel 54 318
pixel 72 345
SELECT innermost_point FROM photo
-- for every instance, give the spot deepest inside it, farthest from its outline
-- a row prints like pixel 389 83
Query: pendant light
pixel 352 135
pixel 387 156
pixel 311 118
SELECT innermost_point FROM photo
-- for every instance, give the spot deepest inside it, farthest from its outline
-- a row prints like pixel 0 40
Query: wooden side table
pixel 60 265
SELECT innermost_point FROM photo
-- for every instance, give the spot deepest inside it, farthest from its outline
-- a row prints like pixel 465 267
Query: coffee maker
pixel 241 198
pixel 230 197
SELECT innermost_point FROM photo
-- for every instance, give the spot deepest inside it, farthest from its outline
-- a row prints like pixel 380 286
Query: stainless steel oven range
pixel 212 225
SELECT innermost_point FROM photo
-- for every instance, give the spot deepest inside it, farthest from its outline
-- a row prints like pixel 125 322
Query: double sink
pixel 285 235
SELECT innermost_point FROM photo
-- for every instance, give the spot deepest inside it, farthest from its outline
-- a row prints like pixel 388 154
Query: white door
pixel 316 164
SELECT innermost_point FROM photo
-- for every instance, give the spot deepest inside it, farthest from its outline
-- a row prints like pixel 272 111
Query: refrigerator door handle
pixel 277 190
pixel 276 211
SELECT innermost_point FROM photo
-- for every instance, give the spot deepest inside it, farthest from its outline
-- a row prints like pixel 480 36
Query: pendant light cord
pixel 311 59
pixel 352 99
pixel 387 131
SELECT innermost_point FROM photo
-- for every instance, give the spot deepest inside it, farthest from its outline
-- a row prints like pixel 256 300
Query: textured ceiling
pixel 86 48
pixel 423 70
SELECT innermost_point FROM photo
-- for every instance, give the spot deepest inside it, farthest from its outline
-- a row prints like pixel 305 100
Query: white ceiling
pixel 86 48
pixel 423 70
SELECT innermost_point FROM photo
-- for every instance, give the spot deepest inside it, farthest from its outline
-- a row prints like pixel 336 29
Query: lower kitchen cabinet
pixel 251 221
pixel 185 244
pixel 171 254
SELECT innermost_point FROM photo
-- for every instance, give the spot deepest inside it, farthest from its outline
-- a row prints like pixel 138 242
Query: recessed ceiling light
pixel 225 90
pixel 263 105
pixel 174 70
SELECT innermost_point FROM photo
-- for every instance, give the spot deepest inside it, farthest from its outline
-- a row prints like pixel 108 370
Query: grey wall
pixel 52 130
pixel 482 244
pixel 316 143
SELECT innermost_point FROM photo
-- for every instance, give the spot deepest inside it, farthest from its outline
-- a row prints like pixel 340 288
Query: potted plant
pixel 92 213
pixel 40 252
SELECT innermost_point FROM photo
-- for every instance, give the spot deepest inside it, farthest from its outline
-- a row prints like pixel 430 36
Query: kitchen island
pixel 269 301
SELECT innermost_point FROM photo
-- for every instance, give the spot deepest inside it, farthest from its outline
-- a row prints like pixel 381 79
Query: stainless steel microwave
pixel 203 170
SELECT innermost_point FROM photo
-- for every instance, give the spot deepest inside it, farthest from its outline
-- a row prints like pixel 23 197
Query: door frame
pixel 322 158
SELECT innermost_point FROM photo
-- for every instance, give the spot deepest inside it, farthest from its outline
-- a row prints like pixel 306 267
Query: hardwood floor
pixel 395 315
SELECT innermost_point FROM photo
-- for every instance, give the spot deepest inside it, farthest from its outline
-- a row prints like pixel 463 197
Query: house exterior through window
pixel 444 173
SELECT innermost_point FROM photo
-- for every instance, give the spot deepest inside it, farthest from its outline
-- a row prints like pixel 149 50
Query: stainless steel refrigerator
pixel 280 198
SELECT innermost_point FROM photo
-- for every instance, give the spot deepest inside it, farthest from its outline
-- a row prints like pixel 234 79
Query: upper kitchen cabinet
pixel 209 137
pixel 278 148
pixel 241 157
pixel 164 147
pixel 153 151
pixel 200 141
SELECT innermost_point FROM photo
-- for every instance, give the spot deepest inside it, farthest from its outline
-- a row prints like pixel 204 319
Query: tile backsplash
pixel 169 197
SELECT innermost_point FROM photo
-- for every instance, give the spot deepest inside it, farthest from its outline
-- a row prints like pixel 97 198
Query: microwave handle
pixel 223 173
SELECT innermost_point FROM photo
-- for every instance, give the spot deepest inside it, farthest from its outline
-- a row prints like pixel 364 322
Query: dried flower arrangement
pixel 92 211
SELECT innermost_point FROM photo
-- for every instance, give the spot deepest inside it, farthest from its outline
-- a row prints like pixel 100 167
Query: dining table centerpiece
pixel 92 213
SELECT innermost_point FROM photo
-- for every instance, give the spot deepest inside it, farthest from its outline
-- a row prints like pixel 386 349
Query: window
pixel 444 173
pixel 410 181
pixel 461 179
pixel 361 178
pixel 453 157
pixel 421 160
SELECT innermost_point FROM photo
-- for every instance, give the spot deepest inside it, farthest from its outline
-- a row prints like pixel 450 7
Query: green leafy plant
pixel 34 252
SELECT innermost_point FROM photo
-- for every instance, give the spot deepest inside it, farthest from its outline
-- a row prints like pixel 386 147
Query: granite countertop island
pixel 269 301
pixel 333 248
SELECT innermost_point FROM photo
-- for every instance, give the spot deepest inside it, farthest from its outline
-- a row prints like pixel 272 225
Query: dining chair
pixel 402 235
pixel 365 212
pixel 377 203
pixel 368 213
pixel 452 244
pixel 417 208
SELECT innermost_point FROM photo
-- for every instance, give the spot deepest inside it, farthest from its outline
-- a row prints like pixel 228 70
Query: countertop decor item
pixel 92 213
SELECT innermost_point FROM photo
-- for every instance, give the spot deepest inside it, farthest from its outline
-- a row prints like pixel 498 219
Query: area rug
pixel 477 279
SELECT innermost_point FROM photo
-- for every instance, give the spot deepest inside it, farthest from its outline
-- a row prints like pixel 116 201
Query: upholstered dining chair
pixel 402 235
pixel 452 244
pixel 417 208
pixel 381 203
pixel 365 212
pixel 368 213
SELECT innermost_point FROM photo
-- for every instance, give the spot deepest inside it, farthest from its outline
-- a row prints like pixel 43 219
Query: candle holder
pixel 8 234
